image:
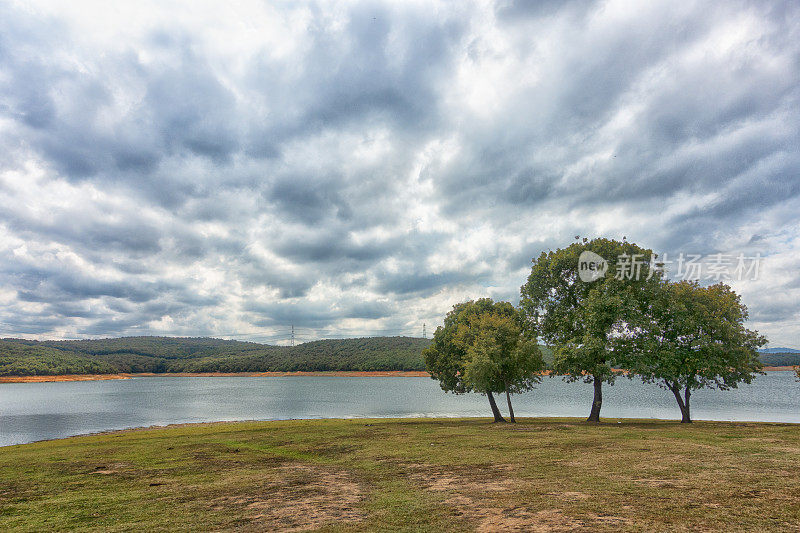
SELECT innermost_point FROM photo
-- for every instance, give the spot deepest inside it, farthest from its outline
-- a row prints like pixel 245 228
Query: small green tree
pixel 478 349
pixel 693 337
pixel 580 319
pixel 501 360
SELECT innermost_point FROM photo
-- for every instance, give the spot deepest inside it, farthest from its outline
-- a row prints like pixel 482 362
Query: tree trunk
pixel 510 409
pixel 594 416
pixel 495 411
pixel 682 403
pixel 686 418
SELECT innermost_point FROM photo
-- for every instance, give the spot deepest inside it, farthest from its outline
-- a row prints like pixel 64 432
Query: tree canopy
pixel 501 360
pixel 480 348
pixel 693 337
pixel 580 319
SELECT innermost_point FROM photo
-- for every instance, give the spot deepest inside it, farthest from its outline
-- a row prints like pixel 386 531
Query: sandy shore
pixel 66 377
pixel 95 377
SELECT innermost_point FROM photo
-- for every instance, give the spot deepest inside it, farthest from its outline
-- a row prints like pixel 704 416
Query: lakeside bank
pixel 99 377
pixel 424 474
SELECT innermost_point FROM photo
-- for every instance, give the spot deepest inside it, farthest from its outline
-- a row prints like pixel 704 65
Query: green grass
pixel 409 474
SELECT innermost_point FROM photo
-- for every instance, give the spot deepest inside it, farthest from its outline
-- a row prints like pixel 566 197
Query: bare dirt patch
pixel 492 519
pixel 304 497
pixel 111 469
pixel 480 495
pixel 569 496
pixel 494 478
pixel 454 483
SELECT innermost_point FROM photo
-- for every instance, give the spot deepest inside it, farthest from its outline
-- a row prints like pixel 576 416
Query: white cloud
pixel 357 168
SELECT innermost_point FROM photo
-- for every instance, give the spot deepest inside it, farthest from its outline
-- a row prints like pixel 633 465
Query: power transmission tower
pixel 424 331
pixel 292 334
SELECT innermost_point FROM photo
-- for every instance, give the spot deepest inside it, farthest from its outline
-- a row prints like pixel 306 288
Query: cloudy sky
pixel 233 169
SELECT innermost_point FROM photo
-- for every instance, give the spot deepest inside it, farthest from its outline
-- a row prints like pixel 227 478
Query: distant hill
pixel 780 359
pixel 780 356
pixel 779 350
pixel 186 354
pixel 20 357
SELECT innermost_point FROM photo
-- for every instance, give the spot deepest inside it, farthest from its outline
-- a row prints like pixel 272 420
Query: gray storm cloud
pixel 357 168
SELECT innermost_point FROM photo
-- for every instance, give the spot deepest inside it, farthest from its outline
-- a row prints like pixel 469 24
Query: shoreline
pixel 126 375
pixel 604 422
pixel 331 373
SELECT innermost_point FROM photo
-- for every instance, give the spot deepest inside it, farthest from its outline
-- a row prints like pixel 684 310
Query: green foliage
pixel 480 348
pixel 24 359
pixel 779 359
pixel 177 354
pixel 447 356
pixel 579 319
pixel 694 337
pixel 500 359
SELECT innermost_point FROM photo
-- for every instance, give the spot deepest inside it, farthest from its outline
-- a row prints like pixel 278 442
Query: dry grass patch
pixel 481 494
pixel 302 497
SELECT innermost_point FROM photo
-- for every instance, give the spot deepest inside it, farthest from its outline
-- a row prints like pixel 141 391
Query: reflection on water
pixel 36 411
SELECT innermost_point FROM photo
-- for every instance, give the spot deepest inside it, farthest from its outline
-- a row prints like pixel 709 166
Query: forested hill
pixel 181 354
pixel 201 354
pixel 780 356
pixel 780 359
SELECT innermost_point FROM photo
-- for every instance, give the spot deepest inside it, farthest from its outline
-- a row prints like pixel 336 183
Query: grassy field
pixel 411 474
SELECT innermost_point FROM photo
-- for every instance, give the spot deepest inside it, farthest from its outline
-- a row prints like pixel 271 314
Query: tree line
pixel 20 357
pixel 679 335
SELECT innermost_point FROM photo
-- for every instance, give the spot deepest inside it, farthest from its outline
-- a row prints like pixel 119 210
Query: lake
pixel 37 411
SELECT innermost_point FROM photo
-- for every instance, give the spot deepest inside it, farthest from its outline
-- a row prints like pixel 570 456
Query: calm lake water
pixel 37 411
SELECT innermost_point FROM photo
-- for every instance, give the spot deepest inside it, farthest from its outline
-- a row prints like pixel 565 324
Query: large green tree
pixel 480 349
pixel 581 319
pixel 693 337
